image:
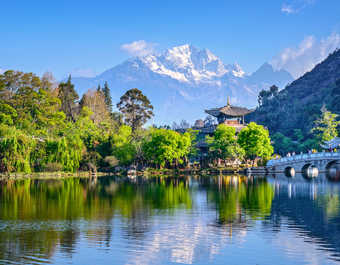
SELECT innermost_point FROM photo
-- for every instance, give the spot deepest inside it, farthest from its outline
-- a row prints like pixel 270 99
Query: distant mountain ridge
pixel 183 81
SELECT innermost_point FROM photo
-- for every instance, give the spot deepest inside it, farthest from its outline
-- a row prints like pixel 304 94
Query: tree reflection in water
pixel 39 218
pixel 238 198
pixel 36 215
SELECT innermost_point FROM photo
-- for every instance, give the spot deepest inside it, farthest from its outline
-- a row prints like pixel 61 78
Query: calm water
pixel 191 220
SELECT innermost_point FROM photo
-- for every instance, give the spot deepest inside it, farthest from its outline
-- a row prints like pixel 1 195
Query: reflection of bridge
pixel 311 213
pixel 324 162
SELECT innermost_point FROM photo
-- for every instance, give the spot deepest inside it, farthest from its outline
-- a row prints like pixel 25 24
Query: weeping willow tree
pixel 15 150
pixel 20 152
pixel 66 151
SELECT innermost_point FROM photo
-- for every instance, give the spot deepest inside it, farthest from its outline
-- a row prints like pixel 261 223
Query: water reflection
pixel 239 198
pixel 312 209
pixel 162 220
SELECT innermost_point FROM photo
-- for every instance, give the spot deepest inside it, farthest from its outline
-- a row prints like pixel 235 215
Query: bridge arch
pixel 309 171
pixel 289 172
pixel 310 164
pixel 333 170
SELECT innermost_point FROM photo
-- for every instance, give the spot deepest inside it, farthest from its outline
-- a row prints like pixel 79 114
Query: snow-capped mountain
pixel 183 81
pixel 188 64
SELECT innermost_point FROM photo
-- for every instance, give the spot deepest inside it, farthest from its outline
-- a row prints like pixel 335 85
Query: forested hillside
pixel 290 114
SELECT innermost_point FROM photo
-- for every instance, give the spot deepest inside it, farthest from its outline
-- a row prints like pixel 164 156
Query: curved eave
pixel 213 112
pixel 229 111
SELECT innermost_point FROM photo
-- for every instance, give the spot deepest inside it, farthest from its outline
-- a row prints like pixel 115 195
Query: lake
pixel 183 220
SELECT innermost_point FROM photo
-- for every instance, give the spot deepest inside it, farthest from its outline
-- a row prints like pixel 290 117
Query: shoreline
pixel 147 173
pixel 51 175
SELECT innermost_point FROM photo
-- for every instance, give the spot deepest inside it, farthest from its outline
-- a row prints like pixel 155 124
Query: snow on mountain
pixel 183 81
pixel 188 64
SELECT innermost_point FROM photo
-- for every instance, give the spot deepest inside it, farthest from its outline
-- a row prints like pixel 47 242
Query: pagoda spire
pixel 228 101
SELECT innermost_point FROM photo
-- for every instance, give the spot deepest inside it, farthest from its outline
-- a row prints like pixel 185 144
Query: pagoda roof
pixel 229 110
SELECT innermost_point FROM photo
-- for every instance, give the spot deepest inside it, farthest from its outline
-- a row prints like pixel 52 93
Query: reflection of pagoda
pixel 230 115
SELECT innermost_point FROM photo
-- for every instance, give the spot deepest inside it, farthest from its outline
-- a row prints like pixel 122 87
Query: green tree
pixel 223 143
pixel 7 113
pixel 66 151
pixel 265 95
pixel 254 139
pixel 122 145
pixel 68 97
pixel 283 144
pixel 325 128
pixel 298 135
pixel 16 148
pixel 193 139
pixel 167 146
pixel 107 95
pixel 136 108
pixel 28 102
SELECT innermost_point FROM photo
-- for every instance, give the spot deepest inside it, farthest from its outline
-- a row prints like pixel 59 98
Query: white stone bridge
pixel 327 162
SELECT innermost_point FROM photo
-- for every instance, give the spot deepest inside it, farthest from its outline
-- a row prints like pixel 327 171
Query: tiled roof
pixel 229 110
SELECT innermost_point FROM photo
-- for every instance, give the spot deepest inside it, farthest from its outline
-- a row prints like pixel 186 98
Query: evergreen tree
pixel 107 95
pixel 68 97
pixel 325 128
pixel 136 108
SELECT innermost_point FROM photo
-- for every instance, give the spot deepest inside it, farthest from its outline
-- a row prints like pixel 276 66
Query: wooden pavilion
pixel 230 115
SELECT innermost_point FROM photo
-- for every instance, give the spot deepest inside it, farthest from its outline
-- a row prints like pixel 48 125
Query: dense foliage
pixel 45 127
pixel 255 141
pixel 223 144
pixel 252 142
pixel 167 147
pixel 290 114
pixel 326 126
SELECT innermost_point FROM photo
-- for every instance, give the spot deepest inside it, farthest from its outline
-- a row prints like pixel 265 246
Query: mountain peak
pixel 267 73
pixel 267 65
pixel 185 78
pixel 187 63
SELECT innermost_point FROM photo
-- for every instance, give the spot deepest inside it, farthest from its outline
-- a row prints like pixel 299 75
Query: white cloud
pixel 298 60
pixel 295 6
pixel 83 72
pixel 287 9
pixel 138 48
pixel 2 71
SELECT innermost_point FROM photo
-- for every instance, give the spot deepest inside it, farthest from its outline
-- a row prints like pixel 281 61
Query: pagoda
pixel 230 115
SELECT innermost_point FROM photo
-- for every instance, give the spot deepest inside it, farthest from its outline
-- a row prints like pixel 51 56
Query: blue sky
pixel 87 36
